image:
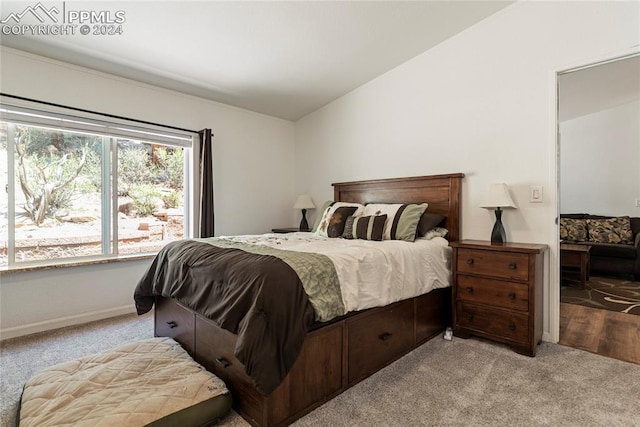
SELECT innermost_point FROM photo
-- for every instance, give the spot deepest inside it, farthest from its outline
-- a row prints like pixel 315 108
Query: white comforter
pixel 372 274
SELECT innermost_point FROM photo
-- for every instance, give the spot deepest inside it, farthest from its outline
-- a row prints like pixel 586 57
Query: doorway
pixel 598 122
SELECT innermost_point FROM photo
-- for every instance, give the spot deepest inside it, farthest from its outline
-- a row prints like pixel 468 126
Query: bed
pixel 329 356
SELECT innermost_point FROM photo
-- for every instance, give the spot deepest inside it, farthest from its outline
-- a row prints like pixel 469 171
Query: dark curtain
pixel 206 184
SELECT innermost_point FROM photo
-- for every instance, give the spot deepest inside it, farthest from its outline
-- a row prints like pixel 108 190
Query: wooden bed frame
pixel 340 354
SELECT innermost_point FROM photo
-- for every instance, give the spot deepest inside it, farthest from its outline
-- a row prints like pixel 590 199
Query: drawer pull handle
pixel 511 326
pixel 512 296
pixel 386 336
pixel 470 261
pixel 469 316
pixel 512 266
pixel 222 362
pixel 469 290
pixel 172 324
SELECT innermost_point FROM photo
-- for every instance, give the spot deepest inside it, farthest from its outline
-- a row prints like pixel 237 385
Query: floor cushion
pixel 151 382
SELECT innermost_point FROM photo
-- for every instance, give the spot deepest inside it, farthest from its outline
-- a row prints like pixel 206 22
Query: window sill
pixel 73 263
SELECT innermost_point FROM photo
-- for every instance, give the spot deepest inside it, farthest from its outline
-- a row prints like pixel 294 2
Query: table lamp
pixel 498 198
pixel 304 202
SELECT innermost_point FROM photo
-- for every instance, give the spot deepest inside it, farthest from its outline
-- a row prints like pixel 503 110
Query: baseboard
pixel 547 337
pixel 62 322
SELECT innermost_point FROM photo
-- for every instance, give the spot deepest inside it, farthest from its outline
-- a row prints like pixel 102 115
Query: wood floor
pixel 603 332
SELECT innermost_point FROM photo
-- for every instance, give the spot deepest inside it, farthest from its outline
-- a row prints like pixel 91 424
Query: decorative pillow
pixel 338 219
pixel 347 233
pixel 436 232
pixel 574 230
pixel 321 212
pixel 365 227
pixel 610 230
pixel 429 221
pixel 330 226
pixel 402 219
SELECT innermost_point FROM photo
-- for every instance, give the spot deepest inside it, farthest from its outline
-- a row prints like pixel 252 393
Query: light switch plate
pixel 535 194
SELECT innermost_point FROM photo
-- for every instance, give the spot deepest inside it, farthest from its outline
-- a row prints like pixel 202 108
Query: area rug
pixel 607 293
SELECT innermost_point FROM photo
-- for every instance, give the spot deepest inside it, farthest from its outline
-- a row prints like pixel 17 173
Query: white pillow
pixel 328 213
pixel 436 232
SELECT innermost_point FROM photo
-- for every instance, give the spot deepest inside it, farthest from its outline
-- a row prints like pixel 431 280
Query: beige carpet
pixel 442 383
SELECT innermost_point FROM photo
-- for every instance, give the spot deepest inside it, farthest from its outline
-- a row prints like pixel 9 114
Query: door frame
pixel 553 299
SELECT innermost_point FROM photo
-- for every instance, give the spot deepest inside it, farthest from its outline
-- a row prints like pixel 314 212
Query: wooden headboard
pixel 441 192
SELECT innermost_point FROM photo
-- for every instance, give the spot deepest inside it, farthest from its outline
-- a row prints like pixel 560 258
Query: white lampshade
pixel 304 202
pixel 498 197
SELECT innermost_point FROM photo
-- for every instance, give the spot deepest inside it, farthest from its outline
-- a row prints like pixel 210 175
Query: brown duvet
pixel 260 298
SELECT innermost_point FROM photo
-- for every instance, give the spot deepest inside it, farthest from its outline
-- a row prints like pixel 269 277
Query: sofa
pixel 614 241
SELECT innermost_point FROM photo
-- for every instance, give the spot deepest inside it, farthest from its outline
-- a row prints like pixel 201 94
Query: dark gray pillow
pixel 428 221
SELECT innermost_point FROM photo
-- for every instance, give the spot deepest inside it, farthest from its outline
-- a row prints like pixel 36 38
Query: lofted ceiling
pixel 284 59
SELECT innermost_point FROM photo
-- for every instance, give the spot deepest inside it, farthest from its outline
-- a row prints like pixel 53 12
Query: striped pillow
pixel 403 219
pixel 365 227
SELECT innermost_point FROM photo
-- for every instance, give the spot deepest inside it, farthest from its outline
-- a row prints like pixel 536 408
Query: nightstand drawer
pixel 498 293
pixel 502 265
pixel 504 324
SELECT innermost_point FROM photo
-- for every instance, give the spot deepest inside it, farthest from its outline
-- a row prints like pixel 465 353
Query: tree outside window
pixel 61 199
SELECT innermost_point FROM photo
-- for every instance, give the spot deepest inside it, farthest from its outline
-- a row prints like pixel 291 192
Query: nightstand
pixel 497 292
pixel 285 230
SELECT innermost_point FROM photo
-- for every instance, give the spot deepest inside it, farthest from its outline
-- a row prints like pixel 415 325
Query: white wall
pixel 253 158
pixel 481 103
pixel 41 300
pixel 600 162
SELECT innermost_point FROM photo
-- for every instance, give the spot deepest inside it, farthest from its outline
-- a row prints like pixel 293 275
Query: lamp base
pixel 498 234
pixel 304 225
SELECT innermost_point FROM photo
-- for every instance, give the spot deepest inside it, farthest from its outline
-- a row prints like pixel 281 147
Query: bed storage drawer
pixel 375 341
pixel 175 321
pixel 433 313
pixel 314 378
pixel 215 351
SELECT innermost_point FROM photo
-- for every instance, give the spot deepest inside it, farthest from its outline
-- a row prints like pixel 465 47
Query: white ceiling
pixel 284 59
pixel 598 88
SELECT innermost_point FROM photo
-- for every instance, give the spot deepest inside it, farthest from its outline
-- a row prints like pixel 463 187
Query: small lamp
pixel 304 202
pixel 498 198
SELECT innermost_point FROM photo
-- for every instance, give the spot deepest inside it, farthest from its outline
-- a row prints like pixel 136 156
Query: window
pixel 77 188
